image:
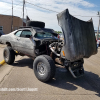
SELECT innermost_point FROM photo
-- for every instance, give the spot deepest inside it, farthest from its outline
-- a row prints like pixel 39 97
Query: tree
pixel 59 32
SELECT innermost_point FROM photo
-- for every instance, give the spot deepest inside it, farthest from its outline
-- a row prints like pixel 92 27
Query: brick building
pixel 5 23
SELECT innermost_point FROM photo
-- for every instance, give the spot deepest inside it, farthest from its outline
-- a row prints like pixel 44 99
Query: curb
pixel 2 63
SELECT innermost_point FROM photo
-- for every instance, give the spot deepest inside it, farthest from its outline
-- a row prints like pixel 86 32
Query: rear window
pixel 44 35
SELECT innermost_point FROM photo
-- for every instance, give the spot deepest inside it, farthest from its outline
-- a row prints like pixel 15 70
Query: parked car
pixel 1 32
pixel 61 37
pixel 98 43
pixel 42 45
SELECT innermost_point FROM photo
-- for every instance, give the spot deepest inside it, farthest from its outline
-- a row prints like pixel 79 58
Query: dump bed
pixel 79 36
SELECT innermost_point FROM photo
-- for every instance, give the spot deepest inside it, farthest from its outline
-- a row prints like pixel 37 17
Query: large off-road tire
pixel 44 68
pixel 9 55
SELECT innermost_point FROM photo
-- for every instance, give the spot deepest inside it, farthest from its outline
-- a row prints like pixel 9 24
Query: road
pixel 62 87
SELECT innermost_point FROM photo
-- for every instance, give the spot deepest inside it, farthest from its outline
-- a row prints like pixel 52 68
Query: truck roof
pixel 37 29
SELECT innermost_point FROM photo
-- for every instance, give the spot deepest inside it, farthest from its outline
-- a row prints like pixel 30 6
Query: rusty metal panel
pixel 79 36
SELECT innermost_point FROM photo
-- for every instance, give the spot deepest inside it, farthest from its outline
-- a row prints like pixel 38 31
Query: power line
pixel 42 7
pixel 56 11
pixel 46 9
pixel 86 16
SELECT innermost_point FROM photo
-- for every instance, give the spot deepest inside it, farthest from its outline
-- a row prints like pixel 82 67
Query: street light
pixel 23 11
pixel 12 18
pixel 98 25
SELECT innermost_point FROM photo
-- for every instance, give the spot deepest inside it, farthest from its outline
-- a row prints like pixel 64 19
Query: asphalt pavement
pixel 62 87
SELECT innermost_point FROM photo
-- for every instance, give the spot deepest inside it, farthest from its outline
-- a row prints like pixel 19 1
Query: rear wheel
pixel 9 55
pixel 44 68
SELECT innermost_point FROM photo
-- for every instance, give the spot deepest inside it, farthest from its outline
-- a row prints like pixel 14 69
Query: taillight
pixel 58 36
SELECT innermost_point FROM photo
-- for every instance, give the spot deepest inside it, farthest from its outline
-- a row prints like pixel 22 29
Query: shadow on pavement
pixel 24 62
pixel 63 79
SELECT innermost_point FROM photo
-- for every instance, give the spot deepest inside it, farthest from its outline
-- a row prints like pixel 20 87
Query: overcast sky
pixel 76 7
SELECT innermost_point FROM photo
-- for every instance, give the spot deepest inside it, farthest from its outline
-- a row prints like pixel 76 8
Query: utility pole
pixel 23 11
pixel 98 25
pixel 12 18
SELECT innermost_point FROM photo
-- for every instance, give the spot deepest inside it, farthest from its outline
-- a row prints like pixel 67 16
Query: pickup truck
pixel 42 45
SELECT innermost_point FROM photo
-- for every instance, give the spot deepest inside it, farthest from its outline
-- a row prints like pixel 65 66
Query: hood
pixel 79 36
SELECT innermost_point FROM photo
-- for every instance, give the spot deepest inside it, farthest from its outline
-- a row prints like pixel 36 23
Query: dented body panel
pixel 79 37
pixel 27 45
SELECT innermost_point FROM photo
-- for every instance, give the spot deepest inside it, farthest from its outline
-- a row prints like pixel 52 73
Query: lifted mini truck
pixel 46 49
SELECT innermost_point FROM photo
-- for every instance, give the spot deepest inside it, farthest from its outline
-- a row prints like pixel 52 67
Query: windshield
pixel 44 35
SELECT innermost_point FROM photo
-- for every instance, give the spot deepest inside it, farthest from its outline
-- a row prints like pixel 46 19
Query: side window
pixel 39 35
pixel 18 33
pixel 26 34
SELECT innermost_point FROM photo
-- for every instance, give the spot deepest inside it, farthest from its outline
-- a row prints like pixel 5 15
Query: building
pixel 5 23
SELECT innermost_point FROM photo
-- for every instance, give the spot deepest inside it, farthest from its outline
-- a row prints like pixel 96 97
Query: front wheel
pixel 9 55
pixel 44 68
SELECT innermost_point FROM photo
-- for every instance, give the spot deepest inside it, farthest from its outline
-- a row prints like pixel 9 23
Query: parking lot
pixel 62 87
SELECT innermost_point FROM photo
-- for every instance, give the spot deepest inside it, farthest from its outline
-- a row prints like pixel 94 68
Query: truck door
pixel 27 44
